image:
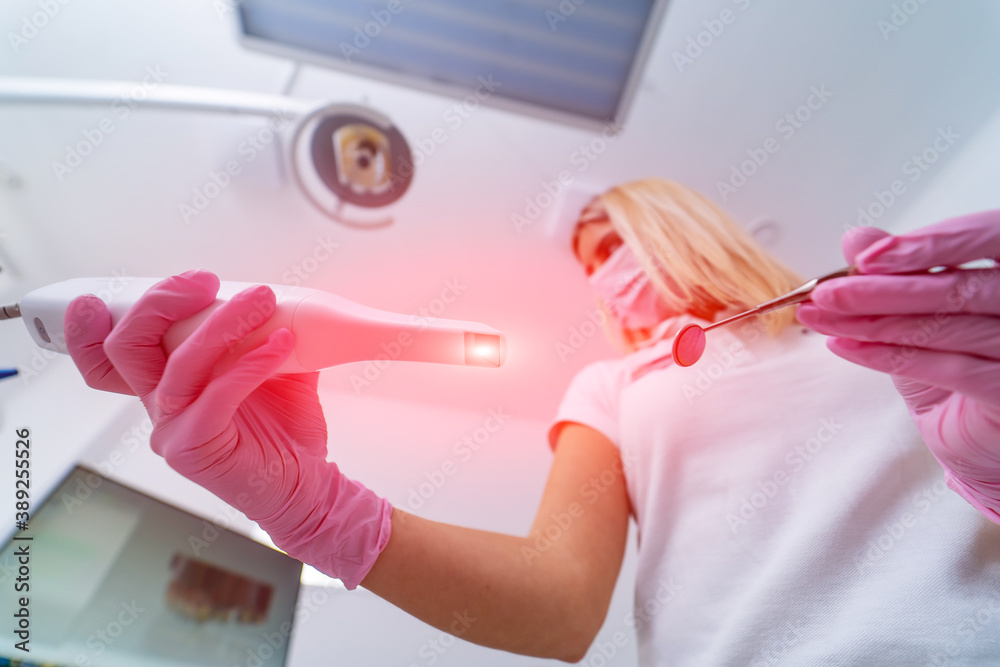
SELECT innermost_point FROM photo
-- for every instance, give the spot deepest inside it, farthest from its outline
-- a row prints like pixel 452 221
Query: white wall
pixel 968 183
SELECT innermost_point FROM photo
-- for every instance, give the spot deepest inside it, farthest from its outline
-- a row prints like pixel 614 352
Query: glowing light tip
pixel 483 349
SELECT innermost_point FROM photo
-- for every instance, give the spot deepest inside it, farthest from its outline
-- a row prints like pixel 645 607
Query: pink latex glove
pixel 256 440
pixel 938 335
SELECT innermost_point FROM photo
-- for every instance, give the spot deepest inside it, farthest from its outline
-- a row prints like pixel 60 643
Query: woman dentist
pixel 789 512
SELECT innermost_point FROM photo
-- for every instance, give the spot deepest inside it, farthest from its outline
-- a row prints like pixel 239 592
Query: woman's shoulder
pixel 606 374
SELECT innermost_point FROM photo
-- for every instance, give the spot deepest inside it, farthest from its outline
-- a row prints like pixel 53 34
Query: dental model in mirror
pixel 689 343
pixel 329 330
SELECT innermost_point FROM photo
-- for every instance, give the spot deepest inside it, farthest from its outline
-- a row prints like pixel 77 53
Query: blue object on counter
pixel 10 662
pixel 7 372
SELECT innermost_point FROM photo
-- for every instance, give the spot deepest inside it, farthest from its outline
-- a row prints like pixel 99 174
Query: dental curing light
pixel 329 330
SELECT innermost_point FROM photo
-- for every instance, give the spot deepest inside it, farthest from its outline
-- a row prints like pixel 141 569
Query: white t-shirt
pixel 788 511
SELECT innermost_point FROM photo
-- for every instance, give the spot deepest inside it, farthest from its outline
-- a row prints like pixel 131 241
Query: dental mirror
pixel 689 343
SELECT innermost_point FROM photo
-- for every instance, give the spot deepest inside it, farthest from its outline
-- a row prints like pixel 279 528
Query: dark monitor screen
pixel 561 60
pixel 117 577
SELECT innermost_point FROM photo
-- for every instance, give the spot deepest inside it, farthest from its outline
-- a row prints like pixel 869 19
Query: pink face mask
pixel 627 292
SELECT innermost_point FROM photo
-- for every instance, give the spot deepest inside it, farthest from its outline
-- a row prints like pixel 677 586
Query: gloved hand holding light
pixel 228 379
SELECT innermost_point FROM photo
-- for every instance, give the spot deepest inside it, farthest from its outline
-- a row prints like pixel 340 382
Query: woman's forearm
pixel 486 588
pixel 546 595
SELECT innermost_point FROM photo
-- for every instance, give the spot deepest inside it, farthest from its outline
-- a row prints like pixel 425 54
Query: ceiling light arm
pixel 76 92
pixel 25 90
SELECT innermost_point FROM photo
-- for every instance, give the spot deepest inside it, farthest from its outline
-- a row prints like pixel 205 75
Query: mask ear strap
pixel 580 224
pixel 576 240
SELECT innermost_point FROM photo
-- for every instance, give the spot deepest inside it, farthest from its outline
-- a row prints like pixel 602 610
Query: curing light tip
pixel 484 349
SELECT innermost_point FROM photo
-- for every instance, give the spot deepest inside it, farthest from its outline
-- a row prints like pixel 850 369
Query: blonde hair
pixel 706 263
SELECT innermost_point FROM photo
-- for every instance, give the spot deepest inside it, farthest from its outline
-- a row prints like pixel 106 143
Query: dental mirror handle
pixel 797 295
